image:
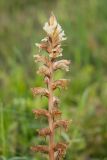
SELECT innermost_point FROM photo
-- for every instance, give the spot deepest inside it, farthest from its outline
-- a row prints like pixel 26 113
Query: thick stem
pixel 50 105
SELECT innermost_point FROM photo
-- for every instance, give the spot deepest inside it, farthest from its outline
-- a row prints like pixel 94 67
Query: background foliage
pixel 85 101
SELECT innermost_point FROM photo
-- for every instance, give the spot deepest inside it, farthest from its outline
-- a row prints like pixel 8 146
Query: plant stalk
pixel 50 105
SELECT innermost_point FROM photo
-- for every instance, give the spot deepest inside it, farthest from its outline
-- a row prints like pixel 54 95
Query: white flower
pixel 62 35
pixel 49 28
pixel 59 28
pixel 44 39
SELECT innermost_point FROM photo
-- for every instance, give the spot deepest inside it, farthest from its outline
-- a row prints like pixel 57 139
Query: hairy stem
pixel 50 105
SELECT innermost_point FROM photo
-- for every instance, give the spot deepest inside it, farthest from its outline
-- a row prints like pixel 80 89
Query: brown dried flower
pixel 62 123
pixel 40 148
pixel 41 112
pixel 62 146
pixel 60 83
pixel 60 149
pixel 40 91
pixel 44 132
pixel 56 112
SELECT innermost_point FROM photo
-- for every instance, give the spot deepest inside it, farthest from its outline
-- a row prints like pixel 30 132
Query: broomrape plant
pixel 52 45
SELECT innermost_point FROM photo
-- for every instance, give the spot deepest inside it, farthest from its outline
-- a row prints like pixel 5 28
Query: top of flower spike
pixel 52 28
pixel 50 25
pixel 55 35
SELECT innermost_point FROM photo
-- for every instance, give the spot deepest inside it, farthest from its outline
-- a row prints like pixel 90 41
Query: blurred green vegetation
pixel 85 101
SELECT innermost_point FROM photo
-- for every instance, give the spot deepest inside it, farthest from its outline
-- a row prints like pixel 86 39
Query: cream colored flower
pixel 62 64
pixel 52 28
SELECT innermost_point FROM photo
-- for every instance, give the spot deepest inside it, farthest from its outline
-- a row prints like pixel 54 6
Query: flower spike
pixel 52 45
